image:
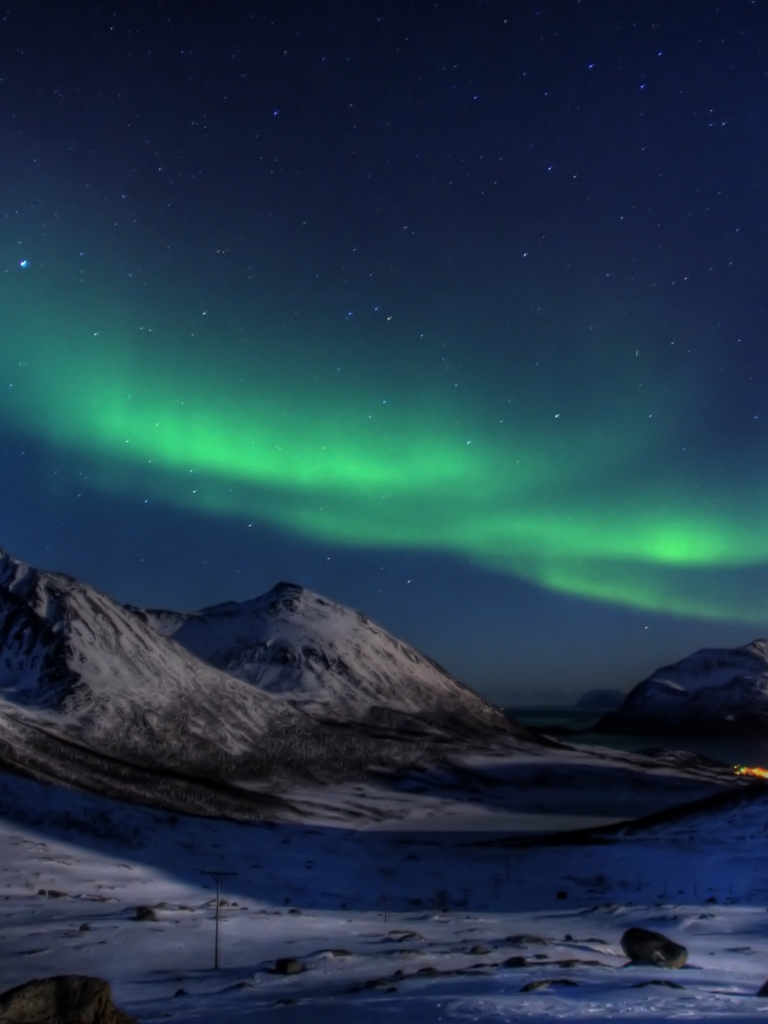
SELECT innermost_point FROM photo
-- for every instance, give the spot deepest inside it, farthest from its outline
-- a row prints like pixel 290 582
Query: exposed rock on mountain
pixel 293 687
pixel 714 691
pixel 333 663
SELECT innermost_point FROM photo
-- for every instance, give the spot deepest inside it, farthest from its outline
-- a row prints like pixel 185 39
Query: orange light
pixel 760 773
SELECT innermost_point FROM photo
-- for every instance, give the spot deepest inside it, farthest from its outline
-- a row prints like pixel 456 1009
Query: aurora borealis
pixel 465 300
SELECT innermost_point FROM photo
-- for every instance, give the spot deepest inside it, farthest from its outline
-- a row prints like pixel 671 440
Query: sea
pixel 574 726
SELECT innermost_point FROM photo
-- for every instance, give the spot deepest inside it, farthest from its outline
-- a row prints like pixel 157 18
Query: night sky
pixel 452 311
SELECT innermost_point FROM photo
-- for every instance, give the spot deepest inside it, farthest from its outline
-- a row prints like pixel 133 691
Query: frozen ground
pixel 410 925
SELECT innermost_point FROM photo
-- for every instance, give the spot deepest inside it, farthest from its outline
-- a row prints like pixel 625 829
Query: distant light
pixel 24 263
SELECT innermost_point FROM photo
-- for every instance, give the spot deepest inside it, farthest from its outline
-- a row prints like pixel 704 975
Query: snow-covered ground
pixel 414 926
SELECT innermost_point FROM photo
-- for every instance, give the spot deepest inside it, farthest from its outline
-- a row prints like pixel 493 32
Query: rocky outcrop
pixel 652 948
pixel 65 999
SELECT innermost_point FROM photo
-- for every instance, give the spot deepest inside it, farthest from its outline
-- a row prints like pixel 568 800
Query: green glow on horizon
pixel 561 505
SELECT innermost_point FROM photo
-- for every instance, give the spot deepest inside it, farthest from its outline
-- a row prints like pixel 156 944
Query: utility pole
pixel 218 875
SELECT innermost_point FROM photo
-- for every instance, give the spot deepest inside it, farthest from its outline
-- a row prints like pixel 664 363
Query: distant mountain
pixel 714 691
pixel 333 663
pixel 289 687
pixel 600 700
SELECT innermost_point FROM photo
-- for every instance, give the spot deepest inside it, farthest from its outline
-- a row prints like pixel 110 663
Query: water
pixel 752 751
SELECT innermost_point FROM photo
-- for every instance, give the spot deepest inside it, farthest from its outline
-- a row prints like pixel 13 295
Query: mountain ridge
pixel 712 691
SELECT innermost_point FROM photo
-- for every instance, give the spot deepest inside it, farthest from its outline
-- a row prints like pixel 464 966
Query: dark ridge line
pixel 125 771
pixel 604 834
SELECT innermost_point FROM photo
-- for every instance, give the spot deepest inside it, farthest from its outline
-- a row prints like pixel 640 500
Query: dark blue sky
pixel 454 312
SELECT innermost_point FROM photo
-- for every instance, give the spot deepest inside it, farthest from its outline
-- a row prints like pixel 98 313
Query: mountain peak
pixel 714 690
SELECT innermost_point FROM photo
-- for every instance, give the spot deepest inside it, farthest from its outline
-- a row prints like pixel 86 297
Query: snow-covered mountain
pixel 720 691
pixel 332 662
pixel 283 689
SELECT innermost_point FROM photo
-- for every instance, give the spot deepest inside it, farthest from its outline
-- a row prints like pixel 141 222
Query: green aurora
pixel 569 502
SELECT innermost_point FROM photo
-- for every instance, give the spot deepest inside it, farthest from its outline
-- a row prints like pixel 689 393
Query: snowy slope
pixel 427 927
pixel 332 662
pixel 99 695
pixel 712 691
pixel 91 695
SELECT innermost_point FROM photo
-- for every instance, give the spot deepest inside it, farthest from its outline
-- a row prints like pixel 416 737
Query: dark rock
pixel 527 940
pixel 64 999
pixel 547 982
pixel 479 951
pixel 294 910
pixel 764 991
pixel 561 894
pixel 515 961
pixel 659 981
pixel 84 927
pixel 179 992
pixel 401 936
pixel 144 914
pixel 653 948
pixel 288 965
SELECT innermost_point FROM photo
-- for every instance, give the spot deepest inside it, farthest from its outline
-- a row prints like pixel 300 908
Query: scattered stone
pixel 285 1002
pixel 763 993
pixel 652 948
pixel 660 981
pixel 64 999
pixel 144 914
pixel 391 989
pixel 527 940
pixel 711 899
pixel 532 986
pixel 295 911
pixel 479 951
pixel 398 935
pixel 84 927
pixel 288 965
pixel 515 961
pixel 179 992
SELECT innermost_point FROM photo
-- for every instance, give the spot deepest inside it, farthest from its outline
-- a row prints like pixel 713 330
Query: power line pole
pixel 218 875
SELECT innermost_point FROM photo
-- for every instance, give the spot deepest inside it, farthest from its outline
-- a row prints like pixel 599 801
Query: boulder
pixel 144 914
pixel 652 948
pixel 65 999
pixel 284 965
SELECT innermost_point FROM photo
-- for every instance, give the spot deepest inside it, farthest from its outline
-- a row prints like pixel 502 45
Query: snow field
pixel 104 859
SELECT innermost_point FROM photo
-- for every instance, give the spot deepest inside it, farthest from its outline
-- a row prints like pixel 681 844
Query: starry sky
pixel 453 311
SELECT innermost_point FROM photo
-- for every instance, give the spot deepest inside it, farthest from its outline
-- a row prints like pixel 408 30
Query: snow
pixel 457 863
pixel 327 659
pixel 73 868
pixel 712 690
